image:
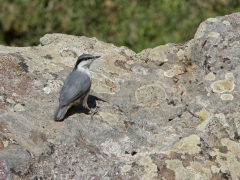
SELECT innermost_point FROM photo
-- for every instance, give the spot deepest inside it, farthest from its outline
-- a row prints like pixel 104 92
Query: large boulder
pixel 171 112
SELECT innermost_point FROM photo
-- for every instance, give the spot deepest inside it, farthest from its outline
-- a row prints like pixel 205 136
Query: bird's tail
pixel 60 113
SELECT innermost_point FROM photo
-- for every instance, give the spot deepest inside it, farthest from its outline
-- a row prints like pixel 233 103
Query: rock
pixel 169 112
pixel 16 160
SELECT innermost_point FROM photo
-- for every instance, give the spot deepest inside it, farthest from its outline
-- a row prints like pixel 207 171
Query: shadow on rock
pixel 80 109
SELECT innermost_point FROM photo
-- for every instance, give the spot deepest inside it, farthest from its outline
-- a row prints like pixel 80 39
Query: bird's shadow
pixel 80 109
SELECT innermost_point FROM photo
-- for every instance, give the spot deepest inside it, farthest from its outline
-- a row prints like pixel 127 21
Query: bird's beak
pixel 95 57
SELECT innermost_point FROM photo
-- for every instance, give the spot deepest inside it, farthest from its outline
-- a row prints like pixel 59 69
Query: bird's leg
pixel 94 111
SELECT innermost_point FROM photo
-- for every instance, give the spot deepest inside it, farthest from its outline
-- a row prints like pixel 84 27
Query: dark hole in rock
pixel 133 153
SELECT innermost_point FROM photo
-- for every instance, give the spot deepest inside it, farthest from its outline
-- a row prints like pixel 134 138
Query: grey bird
pixel 76 87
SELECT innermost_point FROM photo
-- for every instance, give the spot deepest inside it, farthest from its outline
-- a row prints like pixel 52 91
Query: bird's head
pixel 85 60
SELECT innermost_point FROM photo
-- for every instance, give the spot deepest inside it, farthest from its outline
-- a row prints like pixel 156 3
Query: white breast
pixel 84 70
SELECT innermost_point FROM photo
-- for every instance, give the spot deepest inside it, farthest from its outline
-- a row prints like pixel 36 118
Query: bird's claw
pixel 94 111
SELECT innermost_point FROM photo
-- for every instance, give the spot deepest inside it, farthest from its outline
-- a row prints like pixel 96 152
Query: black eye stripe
pixel 85 57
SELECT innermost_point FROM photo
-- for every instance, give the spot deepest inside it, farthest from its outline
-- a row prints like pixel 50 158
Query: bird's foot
pixel 94 111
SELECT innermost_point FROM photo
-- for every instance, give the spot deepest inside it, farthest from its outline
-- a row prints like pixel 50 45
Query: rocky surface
pixel 171 112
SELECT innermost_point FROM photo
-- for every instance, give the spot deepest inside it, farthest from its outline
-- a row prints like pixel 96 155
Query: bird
pixel 76 87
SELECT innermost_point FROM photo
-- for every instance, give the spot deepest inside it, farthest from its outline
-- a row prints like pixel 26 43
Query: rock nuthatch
pixel 76 87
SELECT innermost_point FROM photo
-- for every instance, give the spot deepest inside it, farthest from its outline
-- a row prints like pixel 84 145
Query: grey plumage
pixel 60 113
pixel 76 87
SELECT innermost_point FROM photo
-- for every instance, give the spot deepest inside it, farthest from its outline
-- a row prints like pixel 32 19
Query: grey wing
pixel 76 86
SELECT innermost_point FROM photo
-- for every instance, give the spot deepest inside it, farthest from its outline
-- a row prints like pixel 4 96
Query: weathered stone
pixel 169 112
pixel 16 160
